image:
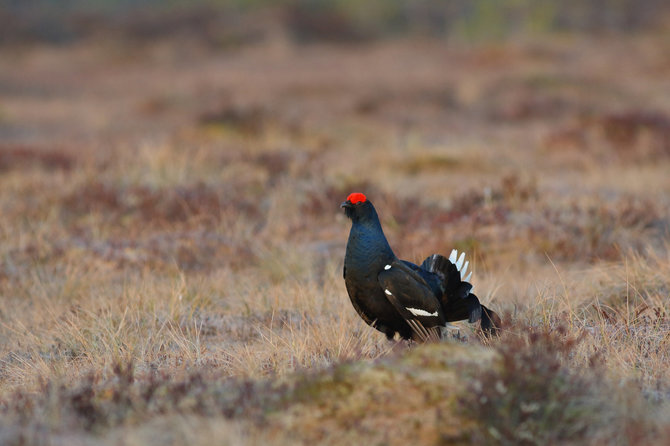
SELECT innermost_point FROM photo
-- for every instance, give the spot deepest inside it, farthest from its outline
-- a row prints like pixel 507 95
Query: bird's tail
pixel 451 272
pixel 456 296
pixel 458 301
pixel 471 309
pixel 491 322
pixel 461 264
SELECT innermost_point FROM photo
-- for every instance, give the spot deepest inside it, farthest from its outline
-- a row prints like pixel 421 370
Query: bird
pixel 399 297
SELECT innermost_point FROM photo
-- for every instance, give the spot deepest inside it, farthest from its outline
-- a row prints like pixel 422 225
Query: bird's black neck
pixel 368 243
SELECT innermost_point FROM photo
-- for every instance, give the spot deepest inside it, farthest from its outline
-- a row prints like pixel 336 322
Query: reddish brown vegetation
pixel 17 156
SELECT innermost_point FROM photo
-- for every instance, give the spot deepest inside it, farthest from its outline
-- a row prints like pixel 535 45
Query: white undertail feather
pixel 459 263
pixel 453 255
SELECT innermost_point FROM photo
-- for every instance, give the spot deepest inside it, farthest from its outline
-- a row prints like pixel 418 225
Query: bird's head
pixel 357 207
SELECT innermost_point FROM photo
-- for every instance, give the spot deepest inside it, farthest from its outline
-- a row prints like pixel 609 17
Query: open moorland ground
pixel 171 241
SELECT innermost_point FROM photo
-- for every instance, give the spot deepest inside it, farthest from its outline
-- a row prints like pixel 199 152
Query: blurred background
pixel 226 23
pixel 170 180
pixel 465 118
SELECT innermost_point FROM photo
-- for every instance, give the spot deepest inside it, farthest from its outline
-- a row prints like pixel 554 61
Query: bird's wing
pixel 413 299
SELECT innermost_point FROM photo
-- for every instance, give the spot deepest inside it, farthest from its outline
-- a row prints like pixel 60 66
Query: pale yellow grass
pixel 241 325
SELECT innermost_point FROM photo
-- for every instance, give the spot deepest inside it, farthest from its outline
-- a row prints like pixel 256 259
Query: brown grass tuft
pixel 25 157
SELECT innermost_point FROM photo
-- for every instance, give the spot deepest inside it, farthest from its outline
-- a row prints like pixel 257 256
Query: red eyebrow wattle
pixel 356 197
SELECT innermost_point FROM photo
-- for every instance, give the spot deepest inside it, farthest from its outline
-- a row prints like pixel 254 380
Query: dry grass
pixel 171 243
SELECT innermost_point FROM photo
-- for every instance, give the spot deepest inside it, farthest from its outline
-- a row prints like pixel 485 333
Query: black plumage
pixel 397 296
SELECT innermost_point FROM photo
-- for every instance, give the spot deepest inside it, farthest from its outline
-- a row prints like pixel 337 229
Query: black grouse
pixel 397 296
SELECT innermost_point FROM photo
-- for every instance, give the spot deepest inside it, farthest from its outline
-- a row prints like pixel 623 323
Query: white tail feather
pixel 467 279
pixel 465 269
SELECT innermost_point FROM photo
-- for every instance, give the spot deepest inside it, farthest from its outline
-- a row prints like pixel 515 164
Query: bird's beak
pixel 346 204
